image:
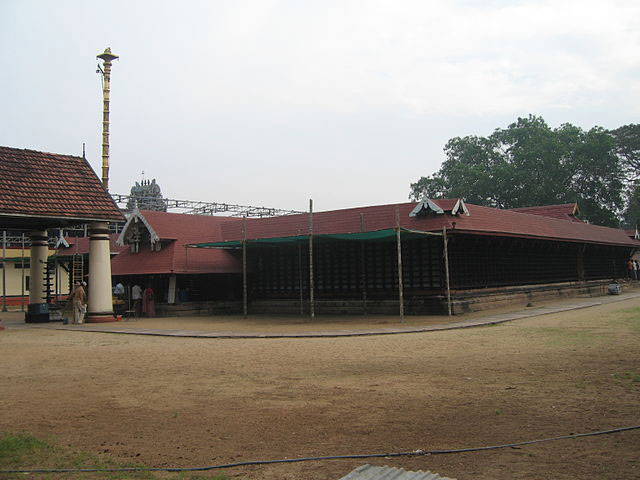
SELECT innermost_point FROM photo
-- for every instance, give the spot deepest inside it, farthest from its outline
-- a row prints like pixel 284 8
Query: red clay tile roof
pixel 446 203
pixel 482 220
pixel 565 211
pixel 51 186
pixel 178 229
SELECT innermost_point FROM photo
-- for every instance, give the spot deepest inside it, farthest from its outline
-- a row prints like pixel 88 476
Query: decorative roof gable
pixel 454 206
pixel 131 231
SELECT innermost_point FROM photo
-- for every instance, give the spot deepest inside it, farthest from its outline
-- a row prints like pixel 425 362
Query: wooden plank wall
pixel 476 261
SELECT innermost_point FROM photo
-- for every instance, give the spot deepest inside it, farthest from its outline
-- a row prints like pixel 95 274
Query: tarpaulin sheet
pixel 386 234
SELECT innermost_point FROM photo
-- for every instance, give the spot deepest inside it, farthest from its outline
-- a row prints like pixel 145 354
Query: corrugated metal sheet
pixel 370 472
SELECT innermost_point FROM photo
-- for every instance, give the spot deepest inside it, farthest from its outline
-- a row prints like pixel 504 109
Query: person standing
pixel 118 299
pixel 136 296
pixel 118 290
pixel 85 291
pixel 78 301
pixel 148 305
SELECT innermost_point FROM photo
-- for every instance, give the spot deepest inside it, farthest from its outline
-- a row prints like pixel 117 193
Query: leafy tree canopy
pixel 631 217
pixel 530 164
pixel 627 147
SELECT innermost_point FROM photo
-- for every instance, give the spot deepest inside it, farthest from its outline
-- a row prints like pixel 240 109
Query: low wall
pixel 462 301
pixel 190 309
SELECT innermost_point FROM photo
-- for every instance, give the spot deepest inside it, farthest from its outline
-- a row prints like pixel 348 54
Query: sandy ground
pixel 194 402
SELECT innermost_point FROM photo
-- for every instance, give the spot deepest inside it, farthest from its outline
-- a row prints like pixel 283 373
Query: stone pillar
pixel 38 309
pixel 100 307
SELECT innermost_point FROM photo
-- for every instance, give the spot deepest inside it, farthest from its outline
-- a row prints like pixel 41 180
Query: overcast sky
pixel 270 103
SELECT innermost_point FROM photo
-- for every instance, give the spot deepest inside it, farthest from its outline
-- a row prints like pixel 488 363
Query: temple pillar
pixel 38 309
pixel 100 306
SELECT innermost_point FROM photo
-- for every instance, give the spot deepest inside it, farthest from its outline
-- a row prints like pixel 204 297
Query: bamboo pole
pixel 300 278
pixel 399 248
pixel 22 265
pixel 311 299
pixel 244 266
pixel 4 272
pixel 57 274
pixel 446 267
pixel 363 267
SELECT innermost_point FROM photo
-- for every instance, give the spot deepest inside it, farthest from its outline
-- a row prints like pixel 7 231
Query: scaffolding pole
pixel 446 267
pixel 196 207
pixel 57 277
pixel 311 300
pixel 399 246
pixel 244 266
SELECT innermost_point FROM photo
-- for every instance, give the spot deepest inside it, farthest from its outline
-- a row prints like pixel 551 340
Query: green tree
pixel 529 164
pixel 627 147
pixel 631 216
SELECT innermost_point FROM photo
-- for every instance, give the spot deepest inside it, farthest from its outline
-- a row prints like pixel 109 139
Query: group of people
pixel 143 301
pixel 633 269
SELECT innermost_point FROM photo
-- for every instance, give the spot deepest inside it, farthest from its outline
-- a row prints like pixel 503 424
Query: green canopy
pixel 386 234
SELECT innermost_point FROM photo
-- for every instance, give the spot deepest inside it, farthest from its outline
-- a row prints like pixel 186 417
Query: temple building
pixel 155 255
pixel 451 254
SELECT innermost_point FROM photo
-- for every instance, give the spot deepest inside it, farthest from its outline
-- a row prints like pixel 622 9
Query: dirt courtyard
pixel 194 402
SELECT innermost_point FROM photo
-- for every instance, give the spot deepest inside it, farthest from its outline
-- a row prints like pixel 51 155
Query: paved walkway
pixel 474 322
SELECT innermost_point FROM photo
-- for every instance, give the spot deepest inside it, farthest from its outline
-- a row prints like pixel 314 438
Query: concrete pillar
pixel 100 306
pixel 38 309
pixel 171 294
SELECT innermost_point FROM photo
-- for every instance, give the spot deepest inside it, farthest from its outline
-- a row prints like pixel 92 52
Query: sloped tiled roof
pixel 566 211
pixel 481 220
pixel 178 229
pixel 58 189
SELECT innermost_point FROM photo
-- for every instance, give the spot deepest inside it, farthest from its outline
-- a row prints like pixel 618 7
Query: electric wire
pixel 414 453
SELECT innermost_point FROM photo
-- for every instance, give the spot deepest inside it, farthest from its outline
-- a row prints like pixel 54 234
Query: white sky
pixel 270 103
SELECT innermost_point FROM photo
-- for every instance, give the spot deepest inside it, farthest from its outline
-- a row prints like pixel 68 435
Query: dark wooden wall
pixel 344 269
